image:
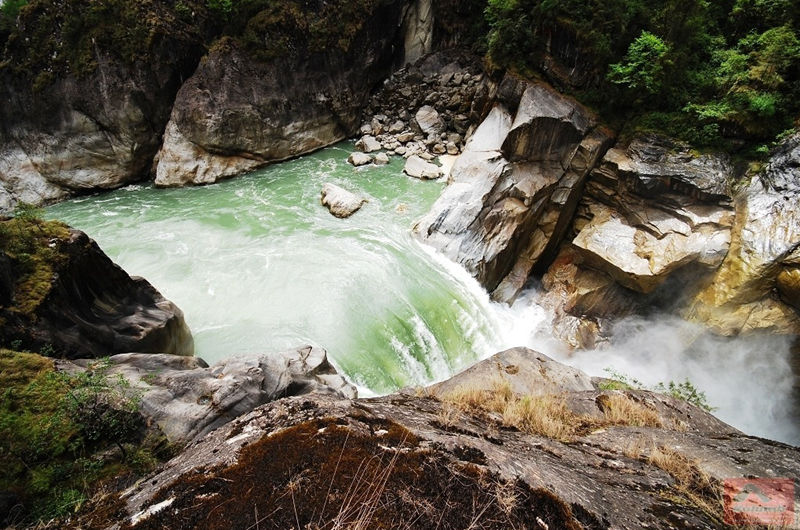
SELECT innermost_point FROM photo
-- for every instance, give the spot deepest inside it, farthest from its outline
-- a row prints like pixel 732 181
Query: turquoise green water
pixel 257 264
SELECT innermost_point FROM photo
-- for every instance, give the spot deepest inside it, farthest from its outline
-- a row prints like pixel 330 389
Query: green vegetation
pixel 61 434
pixel 712 73
pixel 685 391
pixel 33 248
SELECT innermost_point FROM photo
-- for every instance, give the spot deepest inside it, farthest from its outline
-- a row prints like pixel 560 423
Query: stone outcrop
pixel 757 280
pixel 653 208
pixel 340 202
pixel 512 193
pixel 432 464
pixel 186 398
pixel 83 131
pixel 250 111
pixel 90 307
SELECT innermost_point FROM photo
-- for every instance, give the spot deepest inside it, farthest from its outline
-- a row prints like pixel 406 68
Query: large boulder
pixel 340 202
pixel 76 302
pixel 249 107
pixel 447 458
pixel 512 193
pixel 87 115
pixel 186 398
pixel 764 254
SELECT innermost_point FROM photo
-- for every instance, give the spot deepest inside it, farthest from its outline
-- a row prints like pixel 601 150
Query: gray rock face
pixel 95 131
pixel 512 193
pixel 94 309
pixel 186 398
pixel 428 121
pixel 340 202
pixel 604 475
pixel 418 168
pixel 368 144
pixel 417 30
pixel 235 106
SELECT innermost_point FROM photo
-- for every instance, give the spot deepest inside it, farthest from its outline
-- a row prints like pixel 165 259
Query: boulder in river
pixel 418 168
pixel 359 159
pixel 340 202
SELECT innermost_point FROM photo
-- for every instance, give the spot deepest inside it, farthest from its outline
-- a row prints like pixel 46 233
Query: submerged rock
pixel 459 452
pixel 186 398
pixel 340 202
pixel 89 307
pixel 418 168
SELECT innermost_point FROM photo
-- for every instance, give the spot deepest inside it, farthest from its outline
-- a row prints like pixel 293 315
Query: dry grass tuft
pixel 542 415
pixel 619 409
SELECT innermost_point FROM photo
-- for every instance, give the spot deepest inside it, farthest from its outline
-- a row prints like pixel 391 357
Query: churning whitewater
pixel 258 264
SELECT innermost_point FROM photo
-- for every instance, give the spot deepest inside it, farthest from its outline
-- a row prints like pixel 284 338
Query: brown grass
pixel 546 415
pixel 691 483
pixel 619 409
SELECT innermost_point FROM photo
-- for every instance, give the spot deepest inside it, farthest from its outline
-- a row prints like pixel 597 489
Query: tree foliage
pixel 724 72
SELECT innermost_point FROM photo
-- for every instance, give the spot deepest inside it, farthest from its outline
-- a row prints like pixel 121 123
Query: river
pixel 257 264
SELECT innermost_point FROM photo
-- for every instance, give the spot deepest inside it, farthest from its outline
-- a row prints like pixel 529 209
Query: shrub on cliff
pixel 57 431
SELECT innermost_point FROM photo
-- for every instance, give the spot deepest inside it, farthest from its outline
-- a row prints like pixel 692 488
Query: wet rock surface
pixel 340 202
pixel 186 398
pixel 413 440
pixel 93 308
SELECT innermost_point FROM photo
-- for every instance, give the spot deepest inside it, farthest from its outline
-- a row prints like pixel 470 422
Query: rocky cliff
pixel 87 92
pixel 62 294
pixel 242 108
pixel 512 194
pixel 518 440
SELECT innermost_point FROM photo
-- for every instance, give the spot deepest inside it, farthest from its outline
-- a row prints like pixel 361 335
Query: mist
pixel 748 380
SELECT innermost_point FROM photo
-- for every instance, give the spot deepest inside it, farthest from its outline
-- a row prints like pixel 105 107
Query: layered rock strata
pixel 512 193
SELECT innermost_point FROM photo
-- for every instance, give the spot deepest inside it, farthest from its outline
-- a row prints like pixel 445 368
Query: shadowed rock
pixel 260 111
pixel 93 308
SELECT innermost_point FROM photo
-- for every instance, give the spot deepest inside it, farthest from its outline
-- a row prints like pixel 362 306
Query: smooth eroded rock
pixel 187 399
pixel 340 202
pixel 418 168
